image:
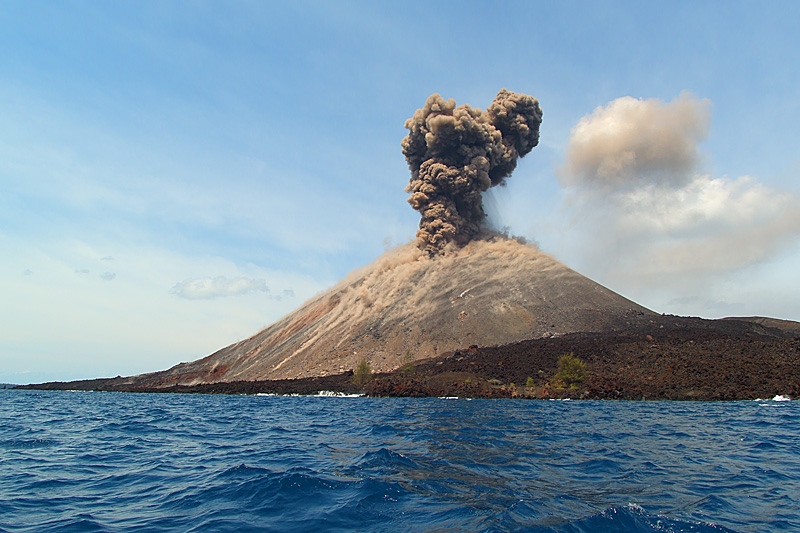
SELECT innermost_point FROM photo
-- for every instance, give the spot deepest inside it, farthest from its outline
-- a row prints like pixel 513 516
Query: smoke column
pixel 456 153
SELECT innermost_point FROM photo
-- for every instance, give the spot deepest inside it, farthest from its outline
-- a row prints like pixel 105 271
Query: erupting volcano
pixel 459 285
pixel 475 304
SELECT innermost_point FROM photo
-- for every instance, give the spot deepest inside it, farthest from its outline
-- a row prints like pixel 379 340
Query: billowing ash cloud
pixel 633 141
pixel 456 153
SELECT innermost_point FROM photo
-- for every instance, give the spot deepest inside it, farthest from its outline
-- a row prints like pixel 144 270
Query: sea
pixel 123 462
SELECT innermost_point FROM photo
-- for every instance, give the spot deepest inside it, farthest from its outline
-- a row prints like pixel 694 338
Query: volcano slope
pixel 407 306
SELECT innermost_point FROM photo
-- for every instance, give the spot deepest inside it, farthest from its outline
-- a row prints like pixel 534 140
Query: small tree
pixel 363 373
pixel 571 370
pixel 530 382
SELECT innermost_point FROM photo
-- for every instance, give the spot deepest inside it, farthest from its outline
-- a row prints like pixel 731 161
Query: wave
pixel 126 463
pixel 27 444
pixel 633 518
pixel 776 398
pixel 334 394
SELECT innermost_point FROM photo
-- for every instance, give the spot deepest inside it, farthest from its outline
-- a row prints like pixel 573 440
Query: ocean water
pixel 85 461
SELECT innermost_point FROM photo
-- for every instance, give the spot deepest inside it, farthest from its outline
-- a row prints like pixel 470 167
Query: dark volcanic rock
pixel 338 383
pixel 669 358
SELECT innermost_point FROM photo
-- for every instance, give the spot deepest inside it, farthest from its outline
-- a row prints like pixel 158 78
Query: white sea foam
pixel 334 394
pixel 776 398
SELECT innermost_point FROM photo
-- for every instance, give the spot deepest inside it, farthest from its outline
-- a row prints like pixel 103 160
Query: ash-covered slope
pixel 407 306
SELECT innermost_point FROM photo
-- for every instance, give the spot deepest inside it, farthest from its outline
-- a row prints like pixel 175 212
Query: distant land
pixel 488 320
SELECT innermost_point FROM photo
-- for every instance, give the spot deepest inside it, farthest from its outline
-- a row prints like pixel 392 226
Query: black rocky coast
pixel 667 358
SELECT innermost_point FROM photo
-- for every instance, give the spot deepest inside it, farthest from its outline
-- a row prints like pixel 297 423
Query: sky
pixel 175 176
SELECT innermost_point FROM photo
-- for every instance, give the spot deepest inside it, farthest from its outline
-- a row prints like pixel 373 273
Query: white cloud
pixel 707 227
pixel 643 216
pixel 220 286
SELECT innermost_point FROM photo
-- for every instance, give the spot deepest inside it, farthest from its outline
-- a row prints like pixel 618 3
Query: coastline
pixel 672 358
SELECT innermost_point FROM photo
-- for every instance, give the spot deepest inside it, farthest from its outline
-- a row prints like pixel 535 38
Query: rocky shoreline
pixel 668 358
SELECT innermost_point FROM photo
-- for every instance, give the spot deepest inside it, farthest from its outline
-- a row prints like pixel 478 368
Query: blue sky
pixel 175 176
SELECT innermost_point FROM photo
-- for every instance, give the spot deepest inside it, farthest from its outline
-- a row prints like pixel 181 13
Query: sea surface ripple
pixel 85 461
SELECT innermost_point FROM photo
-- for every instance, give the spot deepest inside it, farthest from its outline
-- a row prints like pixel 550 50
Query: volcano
pixel 407 306
pixel 466 312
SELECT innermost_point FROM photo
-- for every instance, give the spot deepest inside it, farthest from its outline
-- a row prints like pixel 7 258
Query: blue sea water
pixel 85 461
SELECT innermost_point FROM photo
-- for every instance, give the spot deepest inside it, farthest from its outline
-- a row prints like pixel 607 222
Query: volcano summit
pixel 407 306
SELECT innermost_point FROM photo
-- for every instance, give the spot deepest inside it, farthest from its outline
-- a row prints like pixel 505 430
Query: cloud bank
pixel 218 287
pixel 634 187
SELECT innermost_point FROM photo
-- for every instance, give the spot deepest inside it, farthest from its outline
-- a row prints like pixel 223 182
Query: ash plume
pixel 634 142
pixel 456 153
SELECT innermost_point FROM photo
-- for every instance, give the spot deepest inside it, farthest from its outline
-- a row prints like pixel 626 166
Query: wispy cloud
pixel 218 287
pixel 78 313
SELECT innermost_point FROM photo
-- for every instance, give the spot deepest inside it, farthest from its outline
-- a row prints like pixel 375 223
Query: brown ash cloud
pixel 456 153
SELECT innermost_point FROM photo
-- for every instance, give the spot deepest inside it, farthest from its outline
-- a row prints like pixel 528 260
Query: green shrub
pixel 406 363
pixel 571 370
pixel 362 373
pixel 530 382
